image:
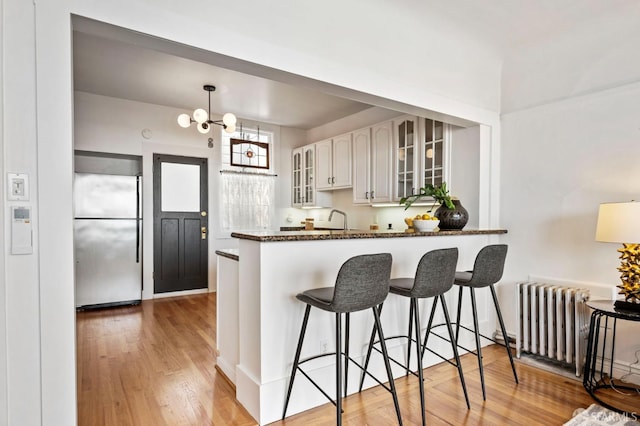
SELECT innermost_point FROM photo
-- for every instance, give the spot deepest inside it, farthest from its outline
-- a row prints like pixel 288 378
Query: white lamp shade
pixel 230 129
pixel 184 120
pixel 619 223
pixel 200 115
pixel 229 119
pixel 203 128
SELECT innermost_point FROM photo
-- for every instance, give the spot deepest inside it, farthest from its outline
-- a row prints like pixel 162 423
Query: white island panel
pixel 272 273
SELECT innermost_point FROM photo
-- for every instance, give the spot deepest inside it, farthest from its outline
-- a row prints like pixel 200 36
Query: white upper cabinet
pixel 406 155
pixel 435 142
pixel 342 161
pixel 303 179
pixel 372 165
pixel 381 161
pixel 421 154
pixel 296 177
pixel 361 166
pixel 324 151
pixel 333 163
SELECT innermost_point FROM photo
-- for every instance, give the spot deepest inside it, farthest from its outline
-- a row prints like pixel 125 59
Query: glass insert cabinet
pixel 422 146
pixel 303 160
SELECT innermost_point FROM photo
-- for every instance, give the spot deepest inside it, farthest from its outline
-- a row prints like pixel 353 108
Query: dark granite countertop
pixel 273 236
pixel 233 254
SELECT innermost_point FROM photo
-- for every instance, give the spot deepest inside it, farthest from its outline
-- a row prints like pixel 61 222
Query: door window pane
pixel 180 187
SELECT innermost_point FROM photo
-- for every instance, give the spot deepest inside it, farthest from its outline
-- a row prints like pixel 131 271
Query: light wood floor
pixel 154 364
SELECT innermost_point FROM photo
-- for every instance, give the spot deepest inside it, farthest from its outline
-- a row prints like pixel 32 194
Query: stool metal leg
pixel 455 349
pixel 458 319
pixel 385 356
pixel 370 348
pixel 454 346
pixel 426 334
pixel 416 320
pixel 476 332
pixel 410 336
pixel 346 352
pixel 504 332
pixel 338 369
pixel 303 330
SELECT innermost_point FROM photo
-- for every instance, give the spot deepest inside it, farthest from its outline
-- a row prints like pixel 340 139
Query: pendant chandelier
pixel 203 119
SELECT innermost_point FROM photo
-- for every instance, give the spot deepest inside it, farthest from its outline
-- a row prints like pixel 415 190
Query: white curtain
pixel 247 201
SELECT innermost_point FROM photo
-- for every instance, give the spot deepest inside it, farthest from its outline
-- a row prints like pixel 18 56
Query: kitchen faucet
pixel 342 213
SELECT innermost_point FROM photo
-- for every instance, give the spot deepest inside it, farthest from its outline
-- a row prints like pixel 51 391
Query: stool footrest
pixel 348 359
pixel 398 363
pixel 469 330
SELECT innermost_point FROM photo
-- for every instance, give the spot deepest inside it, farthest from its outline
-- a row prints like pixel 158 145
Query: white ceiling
pixel 111 66
pixel 150 76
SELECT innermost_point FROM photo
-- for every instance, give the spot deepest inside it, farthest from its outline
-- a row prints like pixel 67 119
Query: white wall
pixel 362 56
pixel 569 142
pixel 20 293
pixel 465 171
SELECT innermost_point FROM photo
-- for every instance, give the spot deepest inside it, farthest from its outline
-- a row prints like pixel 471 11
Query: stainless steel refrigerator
pixel 107 240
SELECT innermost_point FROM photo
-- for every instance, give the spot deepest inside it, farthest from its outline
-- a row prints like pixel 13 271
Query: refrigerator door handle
pixel 137 219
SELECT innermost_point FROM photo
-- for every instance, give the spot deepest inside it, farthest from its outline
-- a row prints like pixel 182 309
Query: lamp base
pixel 627 306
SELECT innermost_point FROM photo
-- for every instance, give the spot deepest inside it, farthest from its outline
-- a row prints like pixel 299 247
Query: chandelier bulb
pixel 203 128
pixel 229 119
pixel 200 115
pixel 230 129
pixel 184 120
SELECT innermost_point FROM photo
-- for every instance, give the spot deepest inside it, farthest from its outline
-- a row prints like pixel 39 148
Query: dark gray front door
pixel 180 223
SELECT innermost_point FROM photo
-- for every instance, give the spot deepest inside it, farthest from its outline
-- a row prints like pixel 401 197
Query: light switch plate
pixel 17 187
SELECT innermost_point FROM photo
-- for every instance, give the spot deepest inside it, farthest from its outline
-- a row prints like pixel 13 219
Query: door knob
pixel 203 214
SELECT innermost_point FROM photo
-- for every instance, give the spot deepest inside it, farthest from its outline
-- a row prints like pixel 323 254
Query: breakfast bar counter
pixel 272 236
pixel 274 266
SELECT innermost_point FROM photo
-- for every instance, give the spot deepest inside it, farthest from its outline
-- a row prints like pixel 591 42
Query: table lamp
pixel 620 223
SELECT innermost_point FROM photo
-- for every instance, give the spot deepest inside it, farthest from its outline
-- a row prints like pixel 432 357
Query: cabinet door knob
pixel 329 180
pixel 333 180
pixel 372 197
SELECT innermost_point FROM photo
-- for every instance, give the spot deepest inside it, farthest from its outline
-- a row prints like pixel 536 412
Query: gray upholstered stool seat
pixel 401 286
pixel 362 283
pixel 463 277
pixel 487 270
pixel 318 297
pixel 433 278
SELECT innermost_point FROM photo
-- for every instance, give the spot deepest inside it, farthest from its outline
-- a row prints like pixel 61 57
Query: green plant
pixel 439 193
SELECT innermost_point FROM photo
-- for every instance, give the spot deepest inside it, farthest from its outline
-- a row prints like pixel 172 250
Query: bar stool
pixel 434 277
pixel 487 270
pixel 362 283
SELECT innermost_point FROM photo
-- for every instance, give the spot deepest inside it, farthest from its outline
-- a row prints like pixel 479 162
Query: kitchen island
pixel 274 266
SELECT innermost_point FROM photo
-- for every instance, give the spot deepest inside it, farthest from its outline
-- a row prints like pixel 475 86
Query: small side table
pixel 595 377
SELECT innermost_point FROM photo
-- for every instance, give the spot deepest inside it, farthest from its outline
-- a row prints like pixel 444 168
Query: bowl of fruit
pixel 423 223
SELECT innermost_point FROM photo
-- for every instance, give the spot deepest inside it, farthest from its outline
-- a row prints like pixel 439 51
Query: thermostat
pixel 21 232
pixel 17 187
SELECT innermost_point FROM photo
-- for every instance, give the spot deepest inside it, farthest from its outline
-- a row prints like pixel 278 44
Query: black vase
pixel 452 219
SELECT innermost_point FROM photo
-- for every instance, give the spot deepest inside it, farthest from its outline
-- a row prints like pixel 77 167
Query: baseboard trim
pixel 225 377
